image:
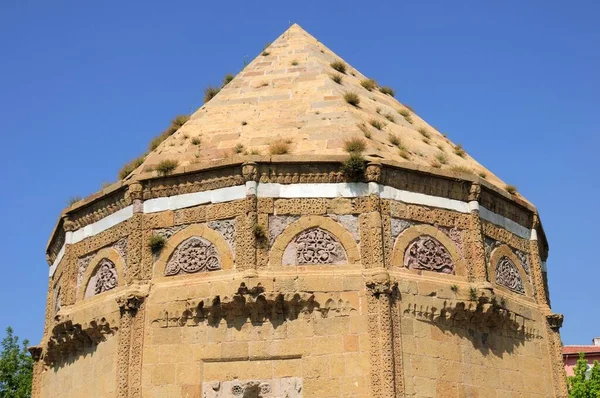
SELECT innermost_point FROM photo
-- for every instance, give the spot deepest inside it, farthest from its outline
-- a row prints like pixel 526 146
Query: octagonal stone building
pixel 289 241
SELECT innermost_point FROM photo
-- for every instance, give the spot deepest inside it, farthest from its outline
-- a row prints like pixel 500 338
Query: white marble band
pixel 275 190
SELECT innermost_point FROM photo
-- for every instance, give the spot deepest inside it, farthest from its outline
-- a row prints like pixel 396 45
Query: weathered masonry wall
pixel 89 373
pixel 272 284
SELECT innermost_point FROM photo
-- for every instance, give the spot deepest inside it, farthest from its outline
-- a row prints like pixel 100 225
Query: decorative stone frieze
pixel 289 387
pixel 68 338
pixel 252 304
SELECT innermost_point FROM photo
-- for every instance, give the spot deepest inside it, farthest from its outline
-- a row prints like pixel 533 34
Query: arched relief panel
pixel 314 240
pixel 104 272
pixel 426 248
pixel 506 272
pixel 56 296
pixel 192 250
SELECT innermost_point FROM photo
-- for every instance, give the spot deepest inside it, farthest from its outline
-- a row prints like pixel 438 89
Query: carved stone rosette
pixel 195 254
pixel 508 276
pixel 427 253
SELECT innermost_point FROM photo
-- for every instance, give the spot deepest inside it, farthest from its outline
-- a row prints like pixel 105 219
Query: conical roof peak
pixel 288 93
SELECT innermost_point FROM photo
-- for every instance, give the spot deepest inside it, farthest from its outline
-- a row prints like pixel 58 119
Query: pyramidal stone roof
pixel 287 94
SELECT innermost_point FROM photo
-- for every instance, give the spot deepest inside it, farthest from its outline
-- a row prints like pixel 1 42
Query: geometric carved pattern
pixel 193 255
pixel 106 276
pixel 507 275
pixel 317 246
pixel 289 387
pixel 427 253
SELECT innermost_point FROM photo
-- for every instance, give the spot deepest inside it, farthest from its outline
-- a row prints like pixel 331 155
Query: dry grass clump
pixel 265 53
pixel 390 117
pixel 461 169
pixel 176 123
pixel 239 148
pixel 436 164
pixel 354 167
pixel 210 92
pixel 409 108
pixel 279 147
pixel 156 243
pixel 336 77
pixel 394 140
pixel 74 199
pixel 442 158
pixel 369 84
pixel 129 167
pixel 355 145
pixel 387 90
pixel 424 133
pixel 294 62
pixel 339 65
pixel 378 124
pixel 352 98
pixel 405 113
pixel 405 154
pixel 482 175
pixel 363 127
pixel 459 151
pixel 227 79
pixel 195 141
pixel 511 189
pixel 166 166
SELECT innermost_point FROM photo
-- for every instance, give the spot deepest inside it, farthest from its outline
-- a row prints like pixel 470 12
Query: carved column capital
pixel 134 191
pixel 68 224
pixel 373 172
pixel 35 351
pixel 379 282
pixel 249 171
pixel 474 192
pixel 130 303
pixel 555 321
pixel 536 221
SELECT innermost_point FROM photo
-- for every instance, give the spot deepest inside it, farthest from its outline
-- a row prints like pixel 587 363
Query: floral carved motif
pixel 317 246
pixel 507 275
pixel 427 253
pixel 106 277
pixel 193 255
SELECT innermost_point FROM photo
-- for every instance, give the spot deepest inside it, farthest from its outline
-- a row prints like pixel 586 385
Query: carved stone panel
pixel 105 278
pixel 193 255
pixel 290 387
pixel 427 253
pixel 314 246
pixel 508 276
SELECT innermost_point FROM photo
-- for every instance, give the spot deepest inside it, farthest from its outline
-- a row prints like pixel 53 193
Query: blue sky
pixel 85 85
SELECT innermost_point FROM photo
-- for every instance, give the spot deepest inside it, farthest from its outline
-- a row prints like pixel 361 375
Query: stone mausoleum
pixel 303 234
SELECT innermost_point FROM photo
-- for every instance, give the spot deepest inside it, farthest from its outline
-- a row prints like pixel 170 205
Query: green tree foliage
pixel 16 368
pixel 594 380
pixel 581 386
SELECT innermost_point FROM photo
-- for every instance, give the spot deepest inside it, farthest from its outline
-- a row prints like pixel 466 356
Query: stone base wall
pixel 89 373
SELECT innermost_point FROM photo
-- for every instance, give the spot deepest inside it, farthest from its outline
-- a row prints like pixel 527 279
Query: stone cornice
pixel 283 169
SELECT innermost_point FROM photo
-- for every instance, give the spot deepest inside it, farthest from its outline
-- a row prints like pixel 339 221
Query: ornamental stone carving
pixel 314 246
pixel 508 276
pixel 106 277
pixel 193 255
pixel 290 387
pixel 427 253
